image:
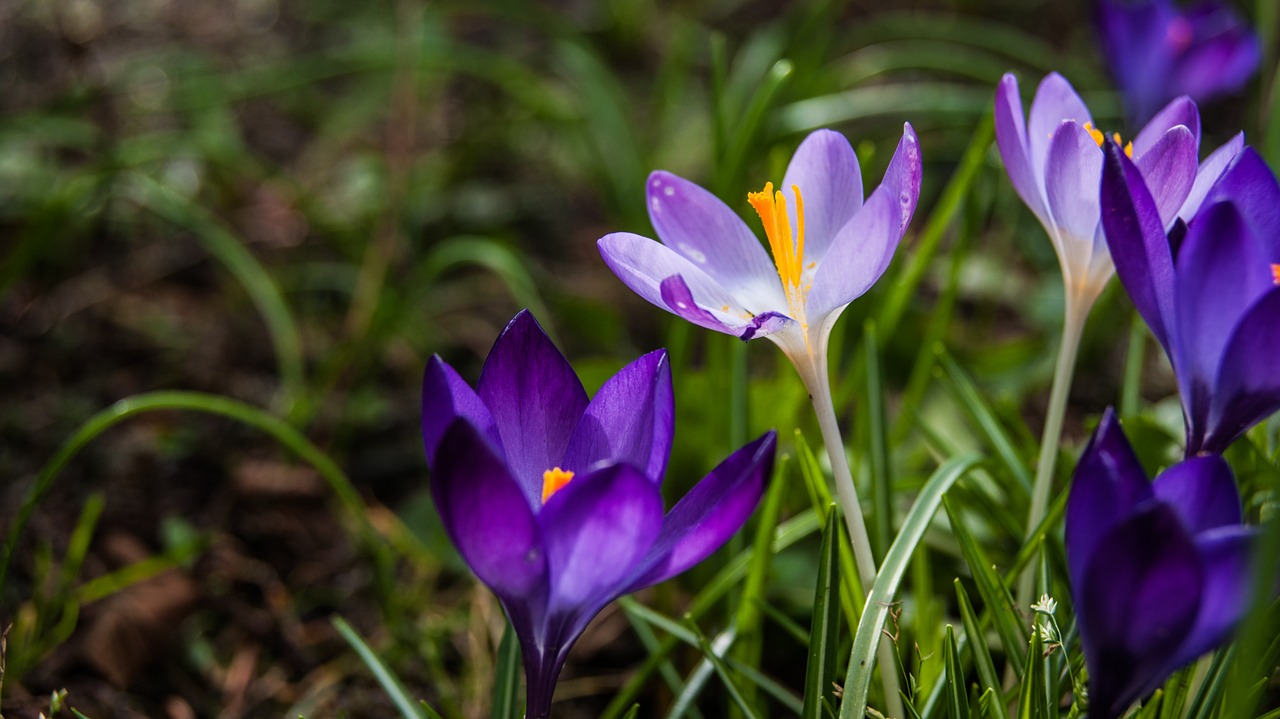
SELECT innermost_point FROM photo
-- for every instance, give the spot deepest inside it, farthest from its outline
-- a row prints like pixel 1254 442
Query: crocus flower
pixel 1157 52
pixel 1055 164
pixel 555 501
pixel 1207 289
pixel 1160 570
pixel 828 247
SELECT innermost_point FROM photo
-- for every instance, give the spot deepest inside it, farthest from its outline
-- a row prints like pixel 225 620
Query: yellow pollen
pixel 1100 138
pixel 788 254
pixel 554 480
pixel 1275 274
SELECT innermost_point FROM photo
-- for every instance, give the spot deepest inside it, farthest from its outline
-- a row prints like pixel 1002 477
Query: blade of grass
pixel 824 631
pixel 749 646
pixel 390 683
pixel 506 678
pixel 977 640
pixel 880 600
pixel 1033 700
pixel 735 693
pixel 878 449
pixel 966 394
pixel 816 482
pixel 957 697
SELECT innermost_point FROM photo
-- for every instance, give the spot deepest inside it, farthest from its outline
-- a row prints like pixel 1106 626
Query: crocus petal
pixel 1218 65
pixel 1136 239
pixel 826 170
pixel 1055 102
pixel 1248 385
pixel 595 530
pixel 1072 170
pixel 1108 483
pixel 1140 595
pixel 863 248
pixel 704 231
pixel 1209 173
pixel 1169 168
pixel 1181 111
pixel 630 420
pixel 1225 556
pixel 710 513
pixel 1221 272
pixel 1011 138
pixel 535 398
pixel 446 397
pixel 1134 40
pixel 643 265
pixel 1251 186
pixel 1202 491
pixel 487 516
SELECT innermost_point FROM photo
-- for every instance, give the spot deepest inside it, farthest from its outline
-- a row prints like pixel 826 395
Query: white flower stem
pixel 818 383
pixel 1077 310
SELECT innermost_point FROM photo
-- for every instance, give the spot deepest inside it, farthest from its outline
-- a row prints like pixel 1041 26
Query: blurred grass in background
pixel 292 205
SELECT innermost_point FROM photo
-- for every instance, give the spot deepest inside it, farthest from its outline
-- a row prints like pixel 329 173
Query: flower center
pixel 1100 138
pixel 1275 274
pixel 788 253
pixel 554 480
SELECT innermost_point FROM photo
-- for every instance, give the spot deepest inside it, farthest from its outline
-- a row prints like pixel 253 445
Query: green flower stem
pixel 1077 310
pixel 818 383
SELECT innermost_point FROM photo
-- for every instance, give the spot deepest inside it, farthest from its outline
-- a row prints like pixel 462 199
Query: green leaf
pixel 749 645
pixel 957 696
pixel 977 640
pixel 409 709
pixel 995 594
pixel 506 678
pixel 717 663
pixel 824 632
pixel 1033 699
pixel 967 395
pixel 878 449
pixel 880 599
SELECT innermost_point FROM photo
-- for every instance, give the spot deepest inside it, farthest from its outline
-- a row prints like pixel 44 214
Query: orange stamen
pixel 554 480
pixel 1100 138
pixel 788 253
pixel 1275 274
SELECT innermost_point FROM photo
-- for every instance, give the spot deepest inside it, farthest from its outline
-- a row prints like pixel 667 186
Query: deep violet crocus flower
pixel 1055 164
pixel 1160 570
pixel 1158 52
pixel 555 501
pixel 1207 289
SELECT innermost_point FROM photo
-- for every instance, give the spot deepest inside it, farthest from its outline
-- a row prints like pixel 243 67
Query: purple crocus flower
pixel 1157 52
pixel 1208 288
pixel 556 501
pixel 1054 162
pixel 828 247
pixel 1160 570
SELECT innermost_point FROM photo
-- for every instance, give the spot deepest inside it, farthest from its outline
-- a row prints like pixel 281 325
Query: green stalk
pixel 1077 311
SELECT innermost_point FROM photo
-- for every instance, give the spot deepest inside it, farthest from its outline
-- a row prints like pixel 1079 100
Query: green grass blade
pixel 995 594
pixel 506 678
pixel 1032 700
pixel 390 683
pixel 816 482
pixel 723 671
pixel 977 640
pixel 824 632
pixel 966 393
pixel 957 696
pixel 1215 679
pixel 878 449
pixel 880 600
pixel 749 646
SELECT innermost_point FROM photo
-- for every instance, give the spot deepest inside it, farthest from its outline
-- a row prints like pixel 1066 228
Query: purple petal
pixel 1221 273
pixel 1248 383
pixel 863 248
pixel 710 513
pixel 1055 102
pixel 1181 111
pixel 446 397
pixel 630 420
pixel 825 169
pixel 644 266
pixel 1219 64
pixel 1135 42
pixel 1202 491
pixel 1208 174
pixel 1169 168
pixel 1251 186
pixel 1140 595
pixel 1108 483
pixel 595 530
pixel 487 517
pixel 535 398
pixel 1073 170
pixel 1225 556
pixel 1011 138
pixel 703 230
pixel 1138 245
